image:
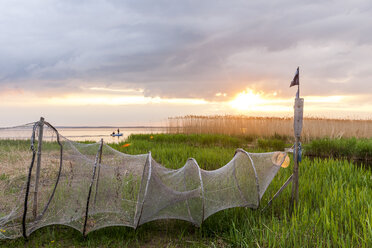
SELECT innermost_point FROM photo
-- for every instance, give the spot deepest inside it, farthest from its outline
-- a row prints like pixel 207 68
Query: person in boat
pixel 113 133
pixel 118 131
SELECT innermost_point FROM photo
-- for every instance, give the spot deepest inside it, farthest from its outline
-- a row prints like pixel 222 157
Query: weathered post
pixel 38 164
pixel 297 126
pixel 298 117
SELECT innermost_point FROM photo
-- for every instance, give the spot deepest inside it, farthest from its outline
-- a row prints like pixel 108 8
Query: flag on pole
pixel 296 79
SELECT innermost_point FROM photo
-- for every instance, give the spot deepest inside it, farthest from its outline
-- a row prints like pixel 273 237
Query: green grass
pixel 4 177
pixel 334 210
pixel 351 148
pixel 272 144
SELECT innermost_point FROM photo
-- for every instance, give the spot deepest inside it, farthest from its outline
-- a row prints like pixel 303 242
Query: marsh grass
pixel 351 148
pixel 269 126
pixel 334 209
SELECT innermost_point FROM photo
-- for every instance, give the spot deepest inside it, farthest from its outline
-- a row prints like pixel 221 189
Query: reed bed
pixel 269 126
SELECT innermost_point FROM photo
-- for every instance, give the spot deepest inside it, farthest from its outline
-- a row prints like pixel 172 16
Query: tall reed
pixel 269 126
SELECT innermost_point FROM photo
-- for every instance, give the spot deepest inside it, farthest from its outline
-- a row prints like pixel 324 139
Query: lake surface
pixel 83 133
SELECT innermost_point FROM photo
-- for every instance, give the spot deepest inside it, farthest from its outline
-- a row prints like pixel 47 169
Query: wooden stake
pixel 37 177
pixel 297 125
pixel 294 198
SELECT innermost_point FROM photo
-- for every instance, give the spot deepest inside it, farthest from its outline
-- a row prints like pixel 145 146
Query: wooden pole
pixel 298 119
pixel 294 198
pixel 38 164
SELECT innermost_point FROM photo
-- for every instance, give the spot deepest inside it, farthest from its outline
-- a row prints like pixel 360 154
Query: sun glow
pixel 251 102
pixel 246 100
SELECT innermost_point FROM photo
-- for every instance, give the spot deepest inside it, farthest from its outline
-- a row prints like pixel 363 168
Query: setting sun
pixel 246 100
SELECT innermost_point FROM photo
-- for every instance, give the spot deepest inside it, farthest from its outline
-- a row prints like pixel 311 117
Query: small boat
pixel 116 134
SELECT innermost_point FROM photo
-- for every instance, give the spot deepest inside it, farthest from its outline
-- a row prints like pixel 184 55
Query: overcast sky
pixel 53 52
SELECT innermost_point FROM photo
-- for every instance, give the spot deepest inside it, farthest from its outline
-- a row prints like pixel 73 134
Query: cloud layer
pixel 186 49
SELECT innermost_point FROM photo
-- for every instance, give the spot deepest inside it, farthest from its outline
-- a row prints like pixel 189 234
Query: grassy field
pixel 352 148
pixel 335 210
pixel 269 126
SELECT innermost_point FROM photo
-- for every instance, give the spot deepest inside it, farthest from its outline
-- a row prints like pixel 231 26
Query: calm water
pixel 83 133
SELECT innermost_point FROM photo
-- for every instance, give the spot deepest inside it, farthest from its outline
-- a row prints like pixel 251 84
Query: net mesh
pixel 91 186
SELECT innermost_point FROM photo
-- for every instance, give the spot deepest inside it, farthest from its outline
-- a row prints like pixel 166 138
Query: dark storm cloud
pixel 186 48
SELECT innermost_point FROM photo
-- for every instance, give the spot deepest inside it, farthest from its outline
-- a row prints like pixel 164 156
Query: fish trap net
pixel 91 186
